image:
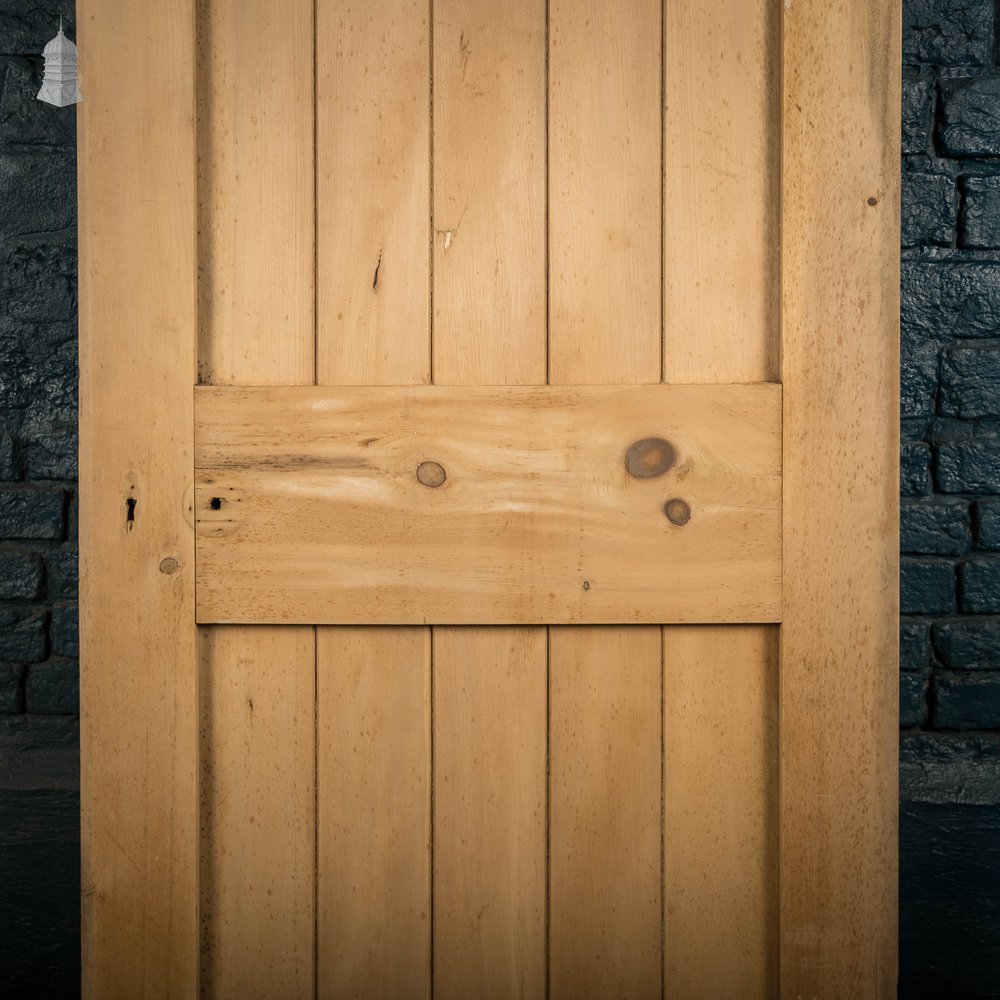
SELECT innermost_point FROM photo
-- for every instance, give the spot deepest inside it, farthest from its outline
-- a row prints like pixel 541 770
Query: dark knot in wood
pixel 431 474
pixel 649 457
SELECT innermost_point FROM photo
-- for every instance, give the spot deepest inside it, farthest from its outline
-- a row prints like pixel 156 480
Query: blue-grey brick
pixel 980 222
pixel 944 300
pixel 914 644
pixel 912 700
pixel 938 528
pixel 9 466
pixel 966 702
pixel 39 278
pixel 29 513
pixel 914 468
pixel 23 118
pixel 929 209
pixel 970 116
pixel 948 32
pixel 980 585
pixel 65 630
pixel 36 191
pixel 53 688
pixel 22 634
pixel 970 380
pixel 918 107
pixel 11 688
pixel 971 466
pixel 52 454
pixel 21 575
pixel 918 377
pixel 968 643
pixel 987 521
pixel 73 518
pixel 62 573
pixel 26 25
pixel 926 587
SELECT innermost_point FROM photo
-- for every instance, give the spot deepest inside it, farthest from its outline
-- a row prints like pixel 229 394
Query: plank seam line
pixel 430 193
pixel 432 783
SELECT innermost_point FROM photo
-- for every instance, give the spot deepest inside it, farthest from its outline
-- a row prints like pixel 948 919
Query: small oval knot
pixel 431 474
pixel 649 457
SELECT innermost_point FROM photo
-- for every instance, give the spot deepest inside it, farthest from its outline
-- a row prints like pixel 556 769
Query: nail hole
pixel 873 202
pixel 130 512
pixel 215 503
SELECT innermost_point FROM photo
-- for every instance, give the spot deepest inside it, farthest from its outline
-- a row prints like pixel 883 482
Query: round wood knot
pixel 677 511
pixel 649 457
pixel 169 565
pixel 431 474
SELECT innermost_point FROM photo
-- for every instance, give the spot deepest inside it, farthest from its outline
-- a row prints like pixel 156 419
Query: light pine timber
pixel 139 723
pixel 320 505
pixel 605 776
pixel 720 306
pixel 373 327
pixel 256 292
pixel 490 684
pixel 840 368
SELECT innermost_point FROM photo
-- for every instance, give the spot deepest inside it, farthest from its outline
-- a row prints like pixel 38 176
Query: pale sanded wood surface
pixel 255 300
pixel 489 327
pixel 373 327
pixel 373 191
pixel 374 919
pixel 840 367
pixel 490 697
pixel 720 312
pixel 139 722
pixel 720 854
pixel 257 812
pixel 604 191
pixel 309 507
pixel 605 740
pixel 721 204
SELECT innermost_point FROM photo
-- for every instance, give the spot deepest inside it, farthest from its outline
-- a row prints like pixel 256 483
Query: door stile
pixel 840 369
pixel 720 309
pixel 139 692
pixel 374 710
pixel 605 738
pixel 256 327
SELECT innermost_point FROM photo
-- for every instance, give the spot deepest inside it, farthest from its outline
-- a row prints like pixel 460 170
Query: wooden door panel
pixel 514 238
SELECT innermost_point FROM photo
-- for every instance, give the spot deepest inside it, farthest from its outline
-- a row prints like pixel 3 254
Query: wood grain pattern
pixel 256 308
pixel 720 693
pixel 840 367
pixel 258 812
pixel 604 192
pixel 721 204
pixel 490 706
pixel 138 664
pixel 255 190
pixel 373 191
pixel 489 327
pixel 373 327
pixel 605 739
pixel 373 689
pixel 605 742
pixel 308 503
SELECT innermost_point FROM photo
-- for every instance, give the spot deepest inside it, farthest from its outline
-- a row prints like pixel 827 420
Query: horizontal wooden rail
pixel 496 505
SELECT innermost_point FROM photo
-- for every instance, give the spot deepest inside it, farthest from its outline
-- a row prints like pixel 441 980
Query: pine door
pixel 488 498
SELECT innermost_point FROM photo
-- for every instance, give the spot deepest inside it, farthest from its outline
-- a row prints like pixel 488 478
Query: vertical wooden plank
pixel 373 327
pixel 490 698
pixel 374 794
pixel 257 821
pixel 489 812
pixel 604 326
pixel 604 191
pixel 605 926
pixel 720 694
pixel 721 176
pixel 373 188
pixel 256 293
pixel 840 369
pixel 720 306
pixel 139 723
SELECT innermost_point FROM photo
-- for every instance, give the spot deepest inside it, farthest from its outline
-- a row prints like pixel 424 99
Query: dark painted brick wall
pixel 950 538
pixel 950 517
pixel 39 731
